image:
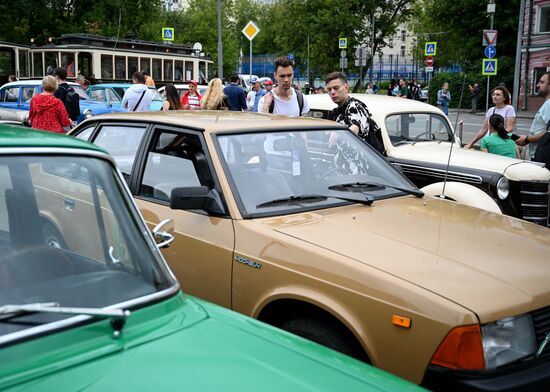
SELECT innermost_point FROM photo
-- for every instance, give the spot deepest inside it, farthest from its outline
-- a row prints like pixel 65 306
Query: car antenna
pixel 453 141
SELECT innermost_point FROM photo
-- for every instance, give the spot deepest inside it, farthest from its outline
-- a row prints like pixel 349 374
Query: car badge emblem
pixel 248 262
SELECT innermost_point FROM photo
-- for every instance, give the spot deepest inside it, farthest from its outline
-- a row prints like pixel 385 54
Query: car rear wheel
pixel 326 333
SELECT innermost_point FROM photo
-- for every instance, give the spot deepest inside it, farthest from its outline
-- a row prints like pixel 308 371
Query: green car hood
pixel 184 344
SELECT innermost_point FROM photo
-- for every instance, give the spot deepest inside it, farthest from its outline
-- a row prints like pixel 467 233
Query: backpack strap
pixel 138 102
pixel 299 97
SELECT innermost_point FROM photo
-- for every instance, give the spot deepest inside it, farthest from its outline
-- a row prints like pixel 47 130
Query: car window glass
pixel 11 94
pixel 86 133
pixel 111 96
pixel 275 165
pixel 176 161
pixel 28 93
pixel 122 143
pixel 70 239
pixel 417 127
pixel 98 95
pixel 120 91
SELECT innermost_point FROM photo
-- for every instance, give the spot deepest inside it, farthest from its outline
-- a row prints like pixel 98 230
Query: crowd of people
pixel 49 110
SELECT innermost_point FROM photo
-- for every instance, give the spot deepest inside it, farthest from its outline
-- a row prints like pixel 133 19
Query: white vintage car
pixel 417 138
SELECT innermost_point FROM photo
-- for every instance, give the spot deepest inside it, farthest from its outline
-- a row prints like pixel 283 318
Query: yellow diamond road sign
pixel 250 30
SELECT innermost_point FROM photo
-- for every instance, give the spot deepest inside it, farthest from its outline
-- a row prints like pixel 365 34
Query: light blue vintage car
pixel 112 93
pixel 17 95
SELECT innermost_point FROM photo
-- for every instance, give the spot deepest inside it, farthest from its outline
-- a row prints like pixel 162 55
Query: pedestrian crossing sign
pixel 430 49
pixel 167 33
pixel 489 67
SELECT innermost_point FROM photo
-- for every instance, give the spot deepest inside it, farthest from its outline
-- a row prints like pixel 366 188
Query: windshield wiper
pixel 312 198
pixel 118 316
pixel 361 186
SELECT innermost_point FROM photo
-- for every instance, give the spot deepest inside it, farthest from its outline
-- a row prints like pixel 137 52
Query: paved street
pixel 474 122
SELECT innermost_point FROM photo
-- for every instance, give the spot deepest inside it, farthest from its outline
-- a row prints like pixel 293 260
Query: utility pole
pixel 491 11
pixel 517 68
pixel 220 44
pixel 372 48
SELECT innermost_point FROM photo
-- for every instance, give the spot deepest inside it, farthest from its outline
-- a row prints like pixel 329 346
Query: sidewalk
pixel 519 114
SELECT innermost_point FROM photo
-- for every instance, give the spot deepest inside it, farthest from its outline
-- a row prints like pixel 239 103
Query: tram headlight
pixel 503 188
pixel 88 113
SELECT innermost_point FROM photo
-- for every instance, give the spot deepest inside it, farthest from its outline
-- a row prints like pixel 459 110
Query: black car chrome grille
pixel 535 203
pixel 541 322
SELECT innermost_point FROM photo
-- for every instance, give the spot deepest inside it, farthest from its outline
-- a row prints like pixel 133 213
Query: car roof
pixel 377 104
pixel 111 85
pixel 15 136
pixel 33 82
pixel 221 121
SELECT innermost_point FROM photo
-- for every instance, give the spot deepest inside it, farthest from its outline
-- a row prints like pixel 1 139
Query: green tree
pixel 458 26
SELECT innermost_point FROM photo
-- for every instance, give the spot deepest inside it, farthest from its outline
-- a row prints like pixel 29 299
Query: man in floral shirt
pixel 352 113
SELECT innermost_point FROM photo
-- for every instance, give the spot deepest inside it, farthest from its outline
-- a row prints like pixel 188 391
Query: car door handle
pixel 69 204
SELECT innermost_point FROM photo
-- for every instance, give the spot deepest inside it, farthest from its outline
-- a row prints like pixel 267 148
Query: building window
pixel 537 73
pixel 544 19
pixel 403 35
pixel 402 52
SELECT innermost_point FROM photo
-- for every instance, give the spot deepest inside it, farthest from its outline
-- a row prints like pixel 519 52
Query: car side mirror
pixel 197 198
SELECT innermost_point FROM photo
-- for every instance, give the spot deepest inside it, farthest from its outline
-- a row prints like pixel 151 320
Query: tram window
pixel 106 66
pixel 145 64
pixel 179 70
pixel 202 72
pixel 67 62
pixel 84 64
pixel 168 68
pixel 156 70
pixel 23 64
pixel 120 67
pixel 132 66
pixel 7 64
pixel 37 69
pixel 51 61
pixel 188 70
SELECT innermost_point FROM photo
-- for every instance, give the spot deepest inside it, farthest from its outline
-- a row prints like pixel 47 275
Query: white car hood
pixel 438 153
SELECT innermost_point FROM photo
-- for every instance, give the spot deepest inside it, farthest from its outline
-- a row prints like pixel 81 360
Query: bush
pixel 456 84
pixel 384 84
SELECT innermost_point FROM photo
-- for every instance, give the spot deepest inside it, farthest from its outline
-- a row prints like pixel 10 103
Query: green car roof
pixel 15 136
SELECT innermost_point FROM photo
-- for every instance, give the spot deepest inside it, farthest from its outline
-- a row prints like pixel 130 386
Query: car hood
pixel 438 153
pixel 223 351
pixel 491 264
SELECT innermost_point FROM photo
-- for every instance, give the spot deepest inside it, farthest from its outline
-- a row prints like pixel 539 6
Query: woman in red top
pixel 47 112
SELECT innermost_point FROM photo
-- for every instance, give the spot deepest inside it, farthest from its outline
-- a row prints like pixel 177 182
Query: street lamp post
pixel 220 43
pixel 491 7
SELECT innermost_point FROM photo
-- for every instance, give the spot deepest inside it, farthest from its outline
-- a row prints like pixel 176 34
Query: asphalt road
pixel 474 122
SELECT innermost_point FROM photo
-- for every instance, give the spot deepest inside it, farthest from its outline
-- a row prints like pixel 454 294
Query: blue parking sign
pixel 167 33
pixel 291 56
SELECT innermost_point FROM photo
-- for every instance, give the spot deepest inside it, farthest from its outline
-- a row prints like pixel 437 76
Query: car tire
pixel 326 333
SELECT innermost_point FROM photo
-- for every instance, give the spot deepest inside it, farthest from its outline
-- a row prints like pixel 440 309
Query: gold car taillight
pixel 462 348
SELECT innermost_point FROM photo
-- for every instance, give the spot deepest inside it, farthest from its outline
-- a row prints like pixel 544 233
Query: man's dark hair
pixel 233 78
pixel 283 61
pixel 336 75
pixel 145 73
pixel 139 76
pixel 61 73
pixel 546 73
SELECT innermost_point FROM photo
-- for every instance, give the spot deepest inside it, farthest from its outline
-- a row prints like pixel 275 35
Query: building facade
pixel 535 51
